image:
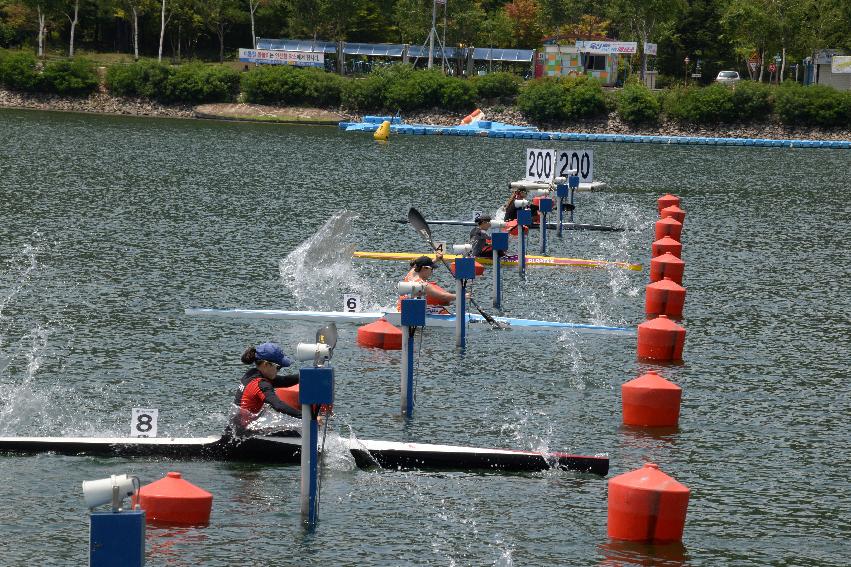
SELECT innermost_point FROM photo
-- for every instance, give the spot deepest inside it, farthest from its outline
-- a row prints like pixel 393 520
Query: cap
pixel 423 262
pixel 482 218
pixel 272 352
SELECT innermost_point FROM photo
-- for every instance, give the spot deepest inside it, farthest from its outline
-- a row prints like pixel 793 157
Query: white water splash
pixel 319 270
pixel 23 401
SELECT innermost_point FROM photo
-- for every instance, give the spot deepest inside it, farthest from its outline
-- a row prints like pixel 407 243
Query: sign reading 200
pixel 545 165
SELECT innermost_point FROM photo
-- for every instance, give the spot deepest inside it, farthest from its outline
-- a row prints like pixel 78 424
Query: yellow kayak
pixel 531 261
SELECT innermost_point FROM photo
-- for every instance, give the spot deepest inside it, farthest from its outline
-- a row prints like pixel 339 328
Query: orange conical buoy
pixel 380 334
pixel 666 244
pixel 675 212
pixel 172 500
pixel 667 200
pixel 669 226
pixel 667 266
pixel 664 297
pixel 651 401
pixel 647 505
pixel 661 339
pixel 479 268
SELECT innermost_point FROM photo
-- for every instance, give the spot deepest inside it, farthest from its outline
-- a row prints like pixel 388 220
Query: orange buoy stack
pixel 667 266
pixel 664 297
pixel 666 244
pixel 480 269
pixel 661 339
pixel 647 505
pixel 667 200
pixel 172 500
pixel 674 212
pixel 651 401
pixel 380 334
pixel 669 226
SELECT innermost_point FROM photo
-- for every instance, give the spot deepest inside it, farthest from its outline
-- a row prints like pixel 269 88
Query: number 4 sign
pixel 143 422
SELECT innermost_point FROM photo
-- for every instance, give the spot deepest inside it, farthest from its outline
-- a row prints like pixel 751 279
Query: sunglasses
pixel 277 366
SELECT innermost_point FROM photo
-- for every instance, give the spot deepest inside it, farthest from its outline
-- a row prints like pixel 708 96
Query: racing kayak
pixel 287 450
pixel 541 185
pixel 550 225
pixel 474 321
pixel 531 260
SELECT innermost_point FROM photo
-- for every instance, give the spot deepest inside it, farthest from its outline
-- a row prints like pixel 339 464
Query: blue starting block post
pixel 117 537
pixel 524 219
pixel 316 387
pixel 562 190
pixel 413 316
pixel 573 184
pixel 545 205
pixel 499 242
pixel 465 269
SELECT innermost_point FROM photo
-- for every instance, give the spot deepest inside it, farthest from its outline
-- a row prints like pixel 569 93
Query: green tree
pixel 219 17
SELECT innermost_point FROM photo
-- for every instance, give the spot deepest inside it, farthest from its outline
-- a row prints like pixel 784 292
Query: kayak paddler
pixel 421 270
pixel 480 240
pixel 257 386
pixel 511 211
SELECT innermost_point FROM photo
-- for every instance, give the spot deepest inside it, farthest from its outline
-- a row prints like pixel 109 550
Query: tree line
pixel 713 34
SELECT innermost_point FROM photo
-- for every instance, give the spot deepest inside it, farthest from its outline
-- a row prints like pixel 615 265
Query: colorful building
pixel 600 59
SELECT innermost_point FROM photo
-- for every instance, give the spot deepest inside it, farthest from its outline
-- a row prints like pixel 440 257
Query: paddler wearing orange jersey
pixel 422 269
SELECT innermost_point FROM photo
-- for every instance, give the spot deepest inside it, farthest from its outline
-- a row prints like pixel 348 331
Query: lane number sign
pixel 440 246
pixel 580 160
pixel 351 303
pixel 546 165
pixel 143 422
pixel 540 165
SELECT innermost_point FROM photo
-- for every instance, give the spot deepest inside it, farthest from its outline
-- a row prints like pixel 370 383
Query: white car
pixel 727 77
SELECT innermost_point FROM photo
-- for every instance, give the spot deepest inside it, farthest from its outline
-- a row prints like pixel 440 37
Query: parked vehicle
pixel 727 77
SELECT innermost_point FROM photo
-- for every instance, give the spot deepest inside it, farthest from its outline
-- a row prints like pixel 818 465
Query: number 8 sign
pixel 143 422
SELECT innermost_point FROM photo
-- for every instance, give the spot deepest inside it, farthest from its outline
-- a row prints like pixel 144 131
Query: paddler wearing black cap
pixel 511 211
pixel 257 386
pixel 480 240
pixel 421 270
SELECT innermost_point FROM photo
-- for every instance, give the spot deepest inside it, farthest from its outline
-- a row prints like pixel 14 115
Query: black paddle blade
pixel 419 223
pixel 327 335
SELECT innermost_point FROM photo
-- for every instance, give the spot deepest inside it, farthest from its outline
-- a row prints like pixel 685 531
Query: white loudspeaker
pixel 521 203
pixel 411 288
pixel 312 351
pixel 99 492
pixel 462 248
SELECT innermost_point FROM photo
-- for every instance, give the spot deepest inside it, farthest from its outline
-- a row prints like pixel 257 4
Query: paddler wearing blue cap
pixel 421 270
pixel 257 386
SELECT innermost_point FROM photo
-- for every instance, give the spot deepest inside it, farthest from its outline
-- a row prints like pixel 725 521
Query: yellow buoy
pixel 383 131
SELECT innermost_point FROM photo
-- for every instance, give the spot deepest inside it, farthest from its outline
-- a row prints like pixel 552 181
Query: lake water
pixel 112 226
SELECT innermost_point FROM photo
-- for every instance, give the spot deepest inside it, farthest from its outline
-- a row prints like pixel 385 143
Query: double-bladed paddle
pixel 419 223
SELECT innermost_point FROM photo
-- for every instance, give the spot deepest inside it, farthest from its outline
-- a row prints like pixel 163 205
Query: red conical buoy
pixel 675 212
pixel 667 266
pixel 664 297
pixel 651 401
pixel 666 244
pixel 669 226
pixel 667 200
pixel 661 339
pixel 380 334
pixel 647 505
pixel 479 268
pixel 172 500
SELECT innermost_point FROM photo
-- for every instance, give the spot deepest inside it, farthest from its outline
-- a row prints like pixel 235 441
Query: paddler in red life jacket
pixel 511 210
pixel 257 386
pixel 437 298
pixel 480 240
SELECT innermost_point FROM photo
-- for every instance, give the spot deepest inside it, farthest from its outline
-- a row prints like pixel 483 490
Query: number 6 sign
pixel 143 422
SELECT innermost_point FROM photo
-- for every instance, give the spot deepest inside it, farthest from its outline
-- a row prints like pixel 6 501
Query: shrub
pixel 290 85
pixel 77 76
pixel 501 86
pixel 364 94
pixel 814 105
pixel 421 89
pixel 637 105
pixel 143 78
pixel 457 94
pixel 197 83
pixel 19 71
pixel 542 101
pixel 751 101
pixel 701 105
pixel 584 97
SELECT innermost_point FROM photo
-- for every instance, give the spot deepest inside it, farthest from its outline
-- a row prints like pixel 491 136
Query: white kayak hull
pixel 474 321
